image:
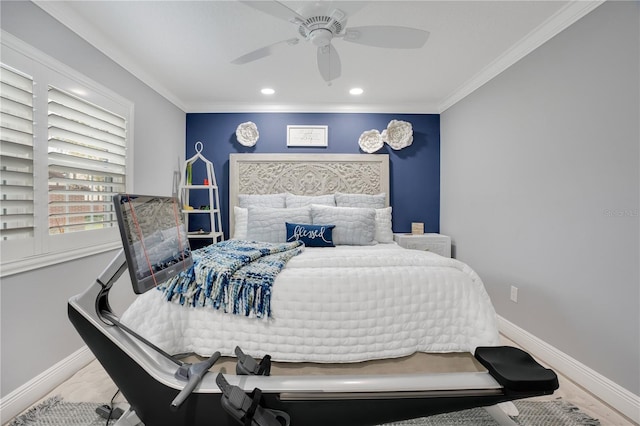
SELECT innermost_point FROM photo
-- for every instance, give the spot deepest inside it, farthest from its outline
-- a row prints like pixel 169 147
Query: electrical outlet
pixel 514 294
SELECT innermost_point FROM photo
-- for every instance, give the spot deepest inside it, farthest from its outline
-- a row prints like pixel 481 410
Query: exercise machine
pixel 163 390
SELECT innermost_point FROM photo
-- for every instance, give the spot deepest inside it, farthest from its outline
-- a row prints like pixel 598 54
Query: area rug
pixel 55 411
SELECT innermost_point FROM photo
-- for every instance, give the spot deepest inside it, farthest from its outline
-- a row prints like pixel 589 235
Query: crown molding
pixel 561 20
pixel 423 108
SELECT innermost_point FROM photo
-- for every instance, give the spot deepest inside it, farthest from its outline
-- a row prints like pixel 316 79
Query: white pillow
pixel 353 226
pixel 241 215
pixel 306 200
pixel 262 200
pixel 268 224
pixel 376 201
pixel 384 232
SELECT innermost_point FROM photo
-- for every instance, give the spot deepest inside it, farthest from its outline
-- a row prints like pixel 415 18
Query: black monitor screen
pixel 154 238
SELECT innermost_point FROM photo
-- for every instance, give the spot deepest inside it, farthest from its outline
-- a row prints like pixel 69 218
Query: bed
pixel 364 298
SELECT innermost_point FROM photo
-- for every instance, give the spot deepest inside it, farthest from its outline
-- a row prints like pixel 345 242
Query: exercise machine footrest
pixel 516 370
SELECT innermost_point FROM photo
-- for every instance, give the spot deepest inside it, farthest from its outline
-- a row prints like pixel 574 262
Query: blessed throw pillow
pixel 311 235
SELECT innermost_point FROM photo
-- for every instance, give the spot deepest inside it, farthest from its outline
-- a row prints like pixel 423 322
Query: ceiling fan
pixel 320 27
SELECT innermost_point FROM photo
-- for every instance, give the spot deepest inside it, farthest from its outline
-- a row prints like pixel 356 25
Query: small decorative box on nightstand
pixel 436 243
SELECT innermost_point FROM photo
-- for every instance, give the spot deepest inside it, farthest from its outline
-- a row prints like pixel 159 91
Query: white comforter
pixel 342 304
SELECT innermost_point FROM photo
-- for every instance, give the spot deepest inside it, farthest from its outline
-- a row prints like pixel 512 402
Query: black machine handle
pixel 194 374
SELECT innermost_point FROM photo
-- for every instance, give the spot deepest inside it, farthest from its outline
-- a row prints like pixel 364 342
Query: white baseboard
pixel 36 388
pixel 599 386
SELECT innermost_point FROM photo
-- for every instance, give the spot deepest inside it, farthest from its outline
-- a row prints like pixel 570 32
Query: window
pixel 87 147
pixel 16 154
pixel 64 142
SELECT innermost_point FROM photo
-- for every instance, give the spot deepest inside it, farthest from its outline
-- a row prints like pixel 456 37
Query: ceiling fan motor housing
pixel 320 29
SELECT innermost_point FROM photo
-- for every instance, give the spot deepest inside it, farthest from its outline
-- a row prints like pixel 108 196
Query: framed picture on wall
pixel 304 135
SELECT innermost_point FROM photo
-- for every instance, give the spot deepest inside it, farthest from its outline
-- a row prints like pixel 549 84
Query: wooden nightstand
pixel 436 243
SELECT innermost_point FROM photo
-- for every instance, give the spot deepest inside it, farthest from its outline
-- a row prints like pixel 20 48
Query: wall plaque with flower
pixel 370 141
pixel 398 134
pixel 247 133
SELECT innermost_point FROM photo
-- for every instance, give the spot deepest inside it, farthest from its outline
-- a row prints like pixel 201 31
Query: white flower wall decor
pixel 247 133
pixel 370 141
pixel 398 134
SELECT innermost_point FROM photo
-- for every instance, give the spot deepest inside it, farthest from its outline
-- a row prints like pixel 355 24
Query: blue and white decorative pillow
pixel 311 235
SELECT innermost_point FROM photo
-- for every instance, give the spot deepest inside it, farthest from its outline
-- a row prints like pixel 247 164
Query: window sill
pixel 36 262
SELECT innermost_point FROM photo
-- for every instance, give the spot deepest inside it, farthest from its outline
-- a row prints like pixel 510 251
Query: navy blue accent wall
pixel 415 170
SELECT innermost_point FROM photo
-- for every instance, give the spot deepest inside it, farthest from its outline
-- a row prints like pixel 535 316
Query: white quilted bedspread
pixel 341 304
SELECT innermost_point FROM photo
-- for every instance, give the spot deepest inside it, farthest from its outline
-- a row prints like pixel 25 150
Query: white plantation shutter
pixel 87 163
pixel 65 149
pixel 16 155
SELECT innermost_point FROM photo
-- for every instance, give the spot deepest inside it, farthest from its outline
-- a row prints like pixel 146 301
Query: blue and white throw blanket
pixel 235 276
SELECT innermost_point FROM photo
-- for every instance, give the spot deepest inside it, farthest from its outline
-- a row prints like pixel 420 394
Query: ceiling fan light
pixel 321 37
pixel 356 91
pixel 267 91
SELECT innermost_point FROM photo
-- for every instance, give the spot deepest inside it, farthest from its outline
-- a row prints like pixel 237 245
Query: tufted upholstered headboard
pixel 306 174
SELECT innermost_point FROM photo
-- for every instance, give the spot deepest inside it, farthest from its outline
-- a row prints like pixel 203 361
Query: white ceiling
pixel 184 49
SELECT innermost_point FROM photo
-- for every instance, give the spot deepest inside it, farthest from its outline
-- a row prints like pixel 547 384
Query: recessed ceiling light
pixel 268 91
pixel 356 91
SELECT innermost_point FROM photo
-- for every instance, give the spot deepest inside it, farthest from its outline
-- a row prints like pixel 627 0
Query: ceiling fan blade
pixel 276 9
pixel 387 36
pixel 329 63
pixel 263 51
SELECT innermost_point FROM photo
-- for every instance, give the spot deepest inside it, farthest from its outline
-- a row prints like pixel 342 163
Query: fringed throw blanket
pixel 235 276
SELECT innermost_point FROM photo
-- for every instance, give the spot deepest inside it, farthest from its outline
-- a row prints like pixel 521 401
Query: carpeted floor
pixel 55 411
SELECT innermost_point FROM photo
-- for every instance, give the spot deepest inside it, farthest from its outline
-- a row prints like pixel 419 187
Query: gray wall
pixel 36 333
pixel 540 189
